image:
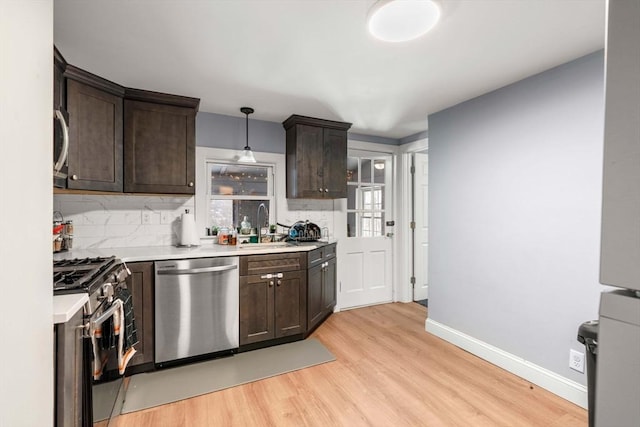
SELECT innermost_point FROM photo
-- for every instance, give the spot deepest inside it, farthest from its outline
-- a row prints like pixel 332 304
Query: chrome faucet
pixel 266 220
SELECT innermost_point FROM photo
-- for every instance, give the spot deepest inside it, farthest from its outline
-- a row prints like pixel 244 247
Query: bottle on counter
pixel 245 226
pixel 233 237
pixel 223 236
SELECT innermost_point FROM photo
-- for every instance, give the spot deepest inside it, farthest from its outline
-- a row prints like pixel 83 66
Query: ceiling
pixel 315 57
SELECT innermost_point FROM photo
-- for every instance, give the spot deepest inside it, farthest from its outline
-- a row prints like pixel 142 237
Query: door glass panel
pixel 365 170
pixel 352 169
pixel 351 224
pixel 351 196
pixel 378 171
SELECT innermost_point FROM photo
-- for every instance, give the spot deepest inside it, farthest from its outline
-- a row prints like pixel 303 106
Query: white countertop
pixel 207 250
pixel 65 306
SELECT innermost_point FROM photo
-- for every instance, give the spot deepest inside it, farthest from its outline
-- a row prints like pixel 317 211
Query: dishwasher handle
pixel 176 271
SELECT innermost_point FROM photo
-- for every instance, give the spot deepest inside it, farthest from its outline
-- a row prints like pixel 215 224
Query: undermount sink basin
pixel 264 245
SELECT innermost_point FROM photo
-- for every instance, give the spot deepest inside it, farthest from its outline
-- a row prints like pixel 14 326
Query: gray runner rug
pixel 173 384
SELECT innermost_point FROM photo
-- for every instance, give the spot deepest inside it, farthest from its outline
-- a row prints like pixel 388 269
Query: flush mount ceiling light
pixel 402 20
pixel 247 155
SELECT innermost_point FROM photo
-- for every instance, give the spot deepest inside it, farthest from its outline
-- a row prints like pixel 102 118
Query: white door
pixel 421 235
pixel 367 253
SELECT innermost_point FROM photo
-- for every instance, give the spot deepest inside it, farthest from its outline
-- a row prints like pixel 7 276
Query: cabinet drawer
pixel 272 263
pixel 322 254
pixel 329 251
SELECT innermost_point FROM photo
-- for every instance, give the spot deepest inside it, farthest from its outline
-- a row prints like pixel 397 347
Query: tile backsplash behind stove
pixel 102 221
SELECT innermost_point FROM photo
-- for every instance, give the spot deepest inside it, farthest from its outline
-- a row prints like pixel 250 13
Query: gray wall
pixel 514 213
pixel 219 131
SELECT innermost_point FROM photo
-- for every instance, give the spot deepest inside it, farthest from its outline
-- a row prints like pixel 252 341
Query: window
pixel 366 193
pixel 235 191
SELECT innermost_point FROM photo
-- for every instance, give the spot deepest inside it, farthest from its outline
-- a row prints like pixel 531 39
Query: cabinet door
pixel 95 138
pixel 159 148
pixel 141 286
pixel 256 309
pixel 305 162
pixel 291 304
pixel 335 163
pixel 315 301
pixel 329 286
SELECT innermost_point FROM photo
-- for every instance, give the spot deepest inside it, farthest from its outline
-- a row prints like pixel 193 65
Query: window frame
pixel 271 182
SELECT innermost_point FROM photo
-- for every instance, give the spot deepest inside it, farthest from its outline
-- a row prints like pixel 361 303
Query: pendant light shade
pixel 247 155
pixel 402 20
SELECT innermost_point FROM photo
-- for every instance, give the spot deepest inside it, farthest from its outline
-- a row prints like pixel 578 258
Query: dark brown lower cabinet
pixel 272 306
pixel 321 285
pixel 141 286
pixel 273 298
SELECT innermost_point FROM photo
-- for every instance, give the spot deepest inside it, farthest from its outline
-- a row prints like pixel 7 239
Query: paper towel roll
pixel 188 234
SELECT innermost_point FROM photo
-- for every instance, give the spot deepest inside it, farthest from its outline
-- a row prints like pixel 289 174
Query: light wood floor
pixel 388 372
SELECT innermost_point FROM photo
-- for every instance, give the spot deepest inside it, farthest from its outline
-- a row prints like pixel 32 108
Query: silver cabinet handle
pixel 326 190
pixel 197 270
pixel 267 276
pixel 191 184
pixel 65 142
pixel 74 177
pixel 270 283
pixel 279 282
pixel 320 190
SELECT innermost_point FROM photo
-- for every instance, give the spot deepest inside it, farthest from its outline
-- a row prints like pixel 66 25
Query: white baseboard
pixel 556 384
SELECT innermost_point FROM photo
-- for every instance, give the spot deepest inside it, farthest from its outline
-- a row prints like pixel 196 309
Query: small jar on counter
pixel 223 236
pixel 68 227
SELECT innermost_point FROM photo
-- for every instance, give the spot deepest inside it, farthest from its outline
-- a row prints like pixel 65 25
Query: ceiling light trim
pixel 399 21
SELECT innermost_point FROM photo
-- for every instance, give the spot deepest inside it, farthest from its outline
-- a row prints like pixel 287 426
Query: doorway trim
pixel 405 251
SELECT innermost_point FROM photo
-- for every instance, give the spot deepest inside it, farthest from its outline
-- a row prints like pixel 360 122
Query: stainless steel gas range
pixel 75 341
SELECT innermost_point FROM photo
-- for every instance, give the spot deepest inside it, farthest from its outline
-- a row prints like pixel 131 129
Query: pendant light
pixel 402 20
pixel 247 155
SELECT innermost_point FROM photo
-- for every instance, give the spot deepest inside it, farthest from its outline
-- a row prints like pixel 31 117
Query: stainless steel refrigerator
pixel 617 397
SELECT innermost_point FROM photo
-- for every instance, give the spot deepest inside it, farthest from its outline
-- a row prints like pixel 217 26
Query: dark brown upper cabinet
pixel 123 139
pixel 159 143
pixel 316 158
pixel 59 94
pixel 95 131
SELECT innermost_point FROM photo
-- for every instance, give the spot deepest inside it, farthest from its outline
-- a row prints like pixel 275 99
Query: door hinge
pixel 413 280
pixel 412 225
pixel 413 169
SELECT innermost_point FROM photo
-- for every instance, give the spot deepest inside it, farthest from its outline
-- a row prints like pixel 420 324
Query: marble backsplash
pixel 102 221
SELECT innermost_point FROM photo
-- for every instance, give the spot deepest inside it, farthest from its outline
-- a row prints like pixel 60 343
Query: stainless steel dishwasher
pixel 197 307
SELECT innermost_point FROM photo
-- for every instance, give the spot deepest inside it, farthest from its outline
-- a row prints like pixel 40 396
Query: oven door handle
pixel 197 270
pixel 95 322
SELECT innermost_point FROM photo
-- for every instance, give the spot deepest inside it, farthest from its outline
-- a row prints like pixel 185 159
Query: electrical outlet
pixel 576 361
pixel 146 217
pixel 166 217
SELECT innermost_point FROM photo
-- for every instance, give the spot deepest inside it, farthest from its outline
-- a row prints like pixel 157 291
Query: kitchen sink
pixel 264 245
